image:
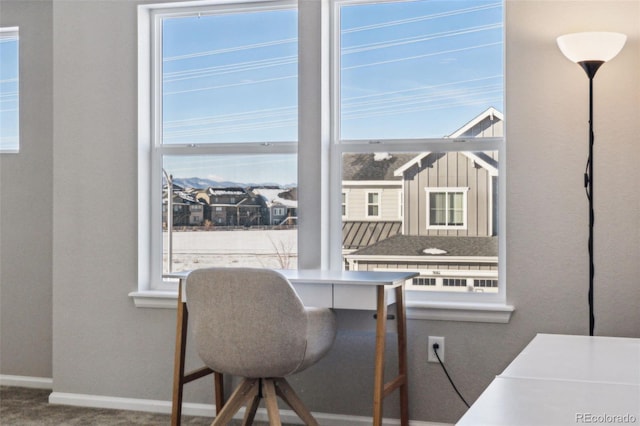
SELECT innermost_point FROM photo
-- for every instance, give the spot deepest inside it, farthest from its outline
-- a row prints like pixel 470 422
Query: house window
pixel 9 90
pixel 424 281
pixel 372 204
pixel 221 123
pixel 446 208
pixel 344 204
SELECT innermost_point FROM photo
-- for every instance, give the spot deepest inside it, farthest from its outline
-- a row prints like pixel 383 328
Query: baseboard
pixel 26 381
pixel 208 410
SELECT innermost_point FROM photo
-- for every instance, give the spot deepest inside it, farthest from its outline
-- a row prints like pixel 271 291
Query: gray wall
pixel 26 197
pixel 103 345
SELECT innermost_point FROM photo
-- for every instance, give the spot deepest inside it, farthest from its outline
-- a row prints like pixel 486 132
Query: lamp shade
pixel 591 46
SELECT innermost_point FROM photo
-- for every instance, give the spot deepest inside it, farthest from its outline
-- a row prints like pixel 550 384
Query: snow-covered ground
pixel 241 247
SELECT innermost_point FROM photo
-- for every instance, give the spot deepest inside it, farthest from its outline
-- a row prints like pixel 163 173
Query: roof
pixel 276 197
pixel 357 235
pixel 482 121
pixel 445 246
pixel 377 166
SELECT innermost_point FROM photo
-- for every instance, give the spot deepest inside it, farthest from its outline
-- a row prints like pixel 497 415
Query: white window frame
pixel 466 306
pixel 321 153
pixel 447 191
pixel 368 204
pixel 344 208
pixel 11 32
pixel 151 150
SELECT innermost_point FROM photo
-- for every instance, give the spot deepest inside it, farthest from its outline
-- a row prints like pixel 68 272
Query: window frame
pixel 416 299
pixel 368 203
pixel 150 148
pixel 320 186
pixel 446 191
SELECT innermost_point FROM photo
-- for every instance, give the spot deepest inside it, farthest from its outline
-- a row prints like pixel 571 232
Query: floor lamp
pixel 590 50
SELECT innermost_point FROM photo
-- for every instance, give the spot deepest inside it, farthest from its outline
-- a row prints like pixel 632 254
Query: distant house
pixel 233 206
pixel 434 213
pixel 279 206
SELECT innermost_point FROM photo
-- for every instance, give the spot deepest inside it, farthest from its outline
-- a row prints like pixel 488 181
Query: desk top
pixel 581 358
pixel 527 402
pixel 318 276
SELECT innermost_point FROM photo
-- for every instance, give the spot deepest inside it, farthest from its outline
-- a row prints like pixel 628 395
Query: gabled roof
pixel 410 245
pixel 491 116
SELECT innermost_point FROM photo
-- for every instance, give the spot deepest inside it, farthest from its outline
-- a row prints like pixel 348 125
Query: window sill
pixel 440 311
pixel 155 299
pixel 450 311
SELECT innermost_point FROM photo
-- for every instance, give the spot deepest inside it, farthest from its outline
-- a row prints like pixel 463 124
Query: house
pixel 433 213
pixel 68 265
pixel 233 206
pixel 279 206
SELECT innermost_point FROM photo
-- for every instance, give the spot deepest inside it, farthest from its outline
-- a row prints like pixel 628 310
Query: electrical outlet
pixel 432 355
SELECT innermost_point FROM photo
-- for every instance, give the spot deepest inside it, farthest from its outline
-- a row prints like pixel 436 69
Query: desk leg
pixel 402 356
pixel 178 366
pixel 381 332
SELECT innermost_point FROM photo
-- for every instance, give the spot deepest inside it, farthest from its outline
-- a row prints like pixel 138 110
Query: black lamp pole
pixel 590 68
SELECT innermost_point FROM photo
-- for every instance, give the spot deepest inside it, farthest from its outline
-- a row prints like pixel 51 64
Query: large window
pixel 9 90
pixel 405 100
pixel 223 136
pixel 420 94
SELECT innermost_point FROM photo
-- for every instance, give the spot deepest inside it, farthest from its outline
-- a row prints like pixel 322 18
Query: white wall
pixel 103 345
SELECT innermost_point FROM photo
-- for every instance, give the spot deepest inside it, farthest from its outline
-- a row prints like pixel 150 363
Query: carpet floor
pixel 30 407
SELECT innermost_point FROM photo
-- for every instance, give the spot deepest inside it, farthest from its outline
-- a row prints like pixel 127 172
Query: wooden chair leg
pixel 288 395
pixel 246 390
pixel 271 401
pixel 250 413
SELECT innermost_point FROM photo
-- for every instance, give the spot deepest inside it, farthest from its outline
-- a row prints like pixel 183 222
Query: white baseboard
pixel 208 410
pixel 26 381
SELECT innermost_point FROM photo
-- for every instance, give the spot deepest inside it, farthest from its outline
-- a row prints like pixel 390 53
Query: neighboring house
pixel 434 213
pixel 279 206
pixel 233 207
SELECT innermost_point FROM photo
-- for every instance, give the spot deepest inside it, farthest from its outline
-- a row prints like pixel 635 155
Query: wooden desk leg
pixel 402 355
pixel 178 363
pixel 378 378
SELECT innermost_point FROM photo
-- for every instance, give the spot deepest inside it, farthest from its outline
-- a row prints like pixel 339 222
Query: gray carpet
pixel 30 407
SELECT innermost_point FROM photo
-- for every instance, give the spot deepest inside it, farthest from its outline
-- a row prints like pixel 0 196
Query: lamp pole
pixel 590 68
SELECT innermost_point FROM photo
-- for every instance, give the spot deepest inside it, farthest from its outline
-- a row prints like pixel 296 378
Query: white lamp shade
pixel 591 46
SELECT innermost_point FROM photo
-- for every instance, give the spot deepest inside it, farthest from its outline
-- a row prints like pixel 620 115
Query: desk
pixel 561 380
pixel 331 289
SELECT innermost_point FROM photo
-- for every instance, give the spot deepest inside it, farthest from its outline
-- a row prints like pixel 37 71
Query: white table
pixel 564 380
pixel 320 288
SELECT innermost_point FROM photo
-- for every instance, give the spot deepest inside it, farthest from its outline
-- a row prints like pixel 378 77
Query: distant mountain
pixel 201 183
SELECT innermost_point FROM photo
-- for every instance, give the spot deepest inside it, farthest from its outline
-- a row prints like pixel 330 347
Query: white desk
pixel 564 380
pixel 332 289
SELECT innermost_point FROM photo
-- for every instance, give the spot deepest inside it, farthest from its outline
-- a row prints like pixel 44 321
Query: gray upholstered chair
pixel 251 323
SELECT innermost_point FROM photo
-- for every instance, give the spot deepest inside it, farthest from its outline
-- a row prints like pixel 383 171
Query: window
pixel 372 205
pixel 222 135
pixel 344 204
pixel 419 98
pixel 446 208
pixel 406 136
pixel 9 90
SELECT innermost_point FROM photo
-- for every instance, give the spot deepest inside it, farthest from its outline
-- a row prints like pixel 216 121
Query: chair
pixel 251 323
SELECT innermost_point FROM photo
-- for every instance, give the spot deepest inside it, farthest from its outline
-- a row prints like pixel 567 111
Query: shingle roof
pixel 409 245
pixel 373 166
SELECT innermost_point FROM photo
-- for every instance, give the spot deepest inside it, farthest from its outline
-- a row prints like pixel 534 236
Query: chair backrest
pixel 247 322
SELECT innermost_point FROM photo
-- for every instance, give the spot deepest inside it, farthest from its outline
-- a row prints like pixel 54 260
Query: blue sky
pixel 416 69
